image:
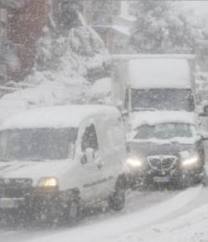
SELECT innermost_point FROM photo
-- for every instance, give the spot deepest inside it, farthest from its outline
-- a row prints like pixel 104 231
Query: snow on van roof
pixel 159 72
pixel 57 117
pixel 155 117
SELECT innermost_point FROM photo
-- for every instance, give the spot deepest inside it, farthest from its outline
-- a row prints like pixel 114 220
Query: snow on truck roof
pixel 56 117
pixel 158 71
pixel 156 117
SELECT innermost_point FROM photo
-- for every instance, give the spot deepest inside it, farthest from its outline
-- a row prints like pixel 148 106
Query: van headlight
pixel 48 182
pixel 190 162
pixel 135 162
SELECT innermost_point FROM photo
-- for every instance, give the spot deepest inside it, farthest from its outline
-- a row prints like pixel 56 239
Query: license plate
pixel 161 179
pixel 9 202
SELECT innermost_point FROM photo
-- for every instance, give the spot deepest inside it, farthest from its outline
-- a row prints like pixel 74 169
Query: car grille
pixel 15 188
pixel 162 162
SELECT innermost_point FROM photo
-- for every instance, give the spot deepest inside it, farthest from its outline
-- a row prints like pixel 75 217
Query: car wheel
pixel 73 211
pixel 204 179
pixel 118 199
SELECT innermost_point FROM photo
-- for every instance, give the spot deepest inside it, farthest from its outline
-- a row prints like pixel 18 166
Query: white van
pixel 55 159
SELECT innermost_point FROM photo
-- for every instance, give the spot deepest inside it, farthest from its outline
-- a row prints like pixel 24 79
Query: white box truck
pixel 154 82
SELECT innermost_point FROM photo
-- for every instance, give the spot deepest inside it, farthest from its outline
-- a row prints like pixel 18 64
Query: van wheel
pixel 73 211
pixel 118 199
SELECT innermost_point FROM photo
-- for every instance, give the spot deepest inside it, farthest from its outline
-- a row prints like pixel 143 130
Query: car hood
pixel 150 148
pixel 34 169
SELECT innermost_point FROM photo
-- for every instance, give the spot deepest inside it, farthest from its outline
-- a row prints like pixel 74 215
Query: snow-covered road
pixel 159 216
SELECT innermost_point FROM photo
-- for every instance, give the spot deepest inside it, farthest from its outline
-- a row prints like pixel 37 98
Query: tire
pixel 183 183
pixel 118 199
pixel 204 179
pixel 73 211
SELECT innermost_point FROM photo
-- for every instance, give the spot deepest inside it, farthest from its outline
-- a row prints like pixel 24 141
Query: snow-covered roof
pixel 57 117
pixel 159 73
pixel 155 117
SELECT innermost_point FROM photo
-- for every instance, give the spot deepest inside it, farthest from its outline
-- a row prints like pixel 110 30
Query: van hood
pixel 34 169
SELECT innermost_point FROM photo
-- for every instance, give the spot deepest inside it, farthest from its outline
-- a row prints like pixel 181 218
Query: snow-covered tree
pixel 13 4
pixel 159 28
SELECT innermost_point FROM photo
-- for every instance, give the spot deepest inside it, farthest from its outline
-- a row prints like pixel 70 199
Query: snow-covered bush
pixel 61 71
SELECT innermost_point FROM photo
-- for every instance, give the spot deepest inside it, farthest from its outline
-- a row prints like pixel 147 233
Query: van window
pixel 37 144
pixel 89 138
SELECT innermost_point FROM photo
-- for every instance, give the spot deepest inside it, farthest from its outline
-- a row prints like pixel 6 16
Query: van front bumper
pixel 36 205
pixel 11 203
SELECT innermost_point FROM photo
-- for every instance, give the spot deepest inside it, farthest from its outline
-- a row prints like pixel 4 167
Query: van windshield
pixel 162 99
pixel 37 144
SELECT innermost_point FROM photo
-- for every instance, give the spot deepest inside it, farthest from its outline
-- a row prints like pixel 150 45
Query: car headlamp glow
pixel 189 162
pixel 48 182
pixel 134 162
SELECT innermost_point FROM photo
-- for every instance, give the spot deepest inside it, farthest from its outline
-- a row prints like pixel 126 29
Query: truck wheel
pixel 183 183
pixel 118 199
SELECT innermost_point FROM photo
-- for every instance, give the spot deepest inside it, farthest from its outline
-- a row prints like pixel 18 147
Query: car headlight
pixel 134 162
pixel 191 161
pixel 48 182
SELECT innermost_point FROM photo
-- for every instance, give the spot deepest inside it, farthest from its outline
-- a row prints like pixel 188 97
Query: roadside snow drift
pixel 134 227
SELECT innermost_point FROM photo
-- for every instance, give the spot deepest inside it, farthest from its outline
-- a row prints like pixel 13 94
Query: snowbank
pixel 100 91
pixel 60 74
pixel 133 227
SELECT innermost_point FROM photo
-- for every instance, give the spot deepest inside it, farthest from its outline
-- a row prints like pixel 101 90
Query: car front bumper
pixel 174 176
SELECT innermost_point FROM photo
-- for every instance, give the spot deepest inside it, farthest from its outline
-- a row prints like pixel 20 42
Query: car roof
pixel 57 117
pixel 155 117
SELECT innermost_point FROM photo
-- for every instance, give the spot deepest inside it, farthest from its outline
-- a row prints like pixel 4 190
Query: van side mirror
pixel 128 149
pixel 88 156
pixel 204 136
pixel 83 159
pixel 204 112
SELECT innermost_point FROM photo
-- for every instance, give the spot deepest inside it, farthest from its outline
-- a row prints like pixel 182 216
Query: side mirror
pixel 204 112
pixel 88 156
pixel 204 136
pixel 83 159
pixel 128 149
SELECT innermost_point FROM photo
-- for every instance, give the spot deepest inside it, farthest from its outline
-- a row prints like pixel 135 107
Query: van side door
pixel 92 174
pixel 114 153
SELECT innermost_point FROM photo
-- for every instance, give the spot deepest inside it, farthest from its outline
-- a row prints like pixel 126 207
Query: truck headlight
pixel 191 161
pixel 134 162
pixel 48 182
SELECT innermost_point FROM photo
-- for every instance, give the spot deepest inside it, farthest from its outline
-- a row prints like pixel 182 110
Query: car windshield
pixel 37 144
pixel 162 99
pixel 164 131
